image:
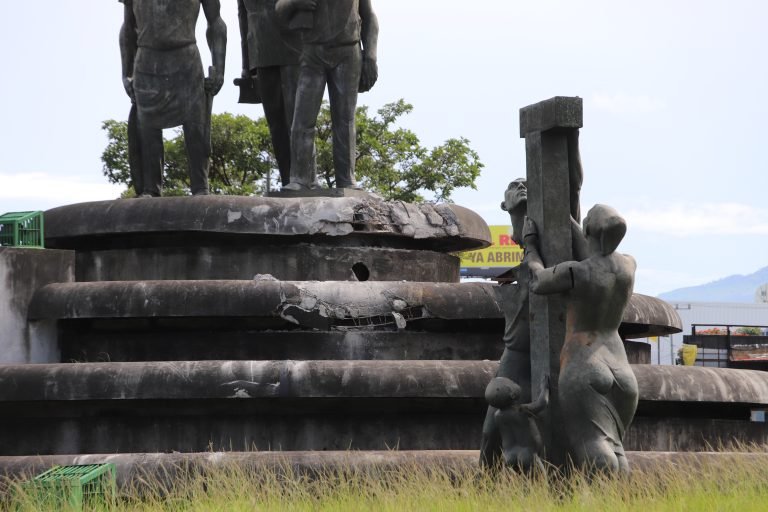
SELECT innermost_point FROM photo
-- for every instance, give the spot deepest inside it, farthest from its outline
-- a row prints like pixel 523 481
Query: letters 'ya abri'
pixel 163 76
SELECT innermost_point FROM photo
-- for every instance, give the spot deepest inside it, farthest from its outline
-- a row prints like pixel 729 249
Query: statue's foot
pixel 294 186
pixel 353 186
pixel 146 195
pixel 201 193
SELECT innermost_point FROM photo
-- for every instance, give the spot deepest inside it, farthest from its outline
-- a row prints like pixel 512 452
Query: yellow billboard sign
pixel 504 253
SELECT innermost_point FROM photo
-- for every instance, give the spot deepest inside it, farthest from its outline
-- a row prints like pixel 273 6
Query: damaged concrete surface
pixel 333 305
pixel 313 305
pixel 456 228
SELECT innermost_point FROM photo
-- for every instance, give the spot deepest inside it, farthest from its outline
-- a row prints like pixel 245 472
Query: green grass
pixel 736 483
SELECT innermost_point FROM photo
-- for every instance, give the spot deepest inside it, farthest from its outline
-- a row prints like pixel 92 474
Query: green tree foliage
pixel 390 161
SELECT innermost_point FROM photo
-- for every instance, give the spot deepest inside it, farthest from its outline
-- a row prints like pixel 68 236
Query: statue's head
pixel 604 228
pixel 502 392
pixel 516 196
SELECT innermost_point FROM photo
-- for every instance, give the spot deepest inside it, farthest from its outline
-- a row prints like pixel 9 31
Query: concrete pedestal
pixel 22 272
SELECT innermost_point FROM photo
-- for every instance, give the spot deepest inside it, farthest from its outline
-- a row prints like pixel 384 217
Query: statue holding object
pixel 270 73
pixel 333 32
pixel 163 76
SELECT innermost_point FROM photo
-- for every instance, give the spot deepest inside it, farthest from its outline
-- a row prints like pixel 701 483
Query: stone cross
pixel 545 127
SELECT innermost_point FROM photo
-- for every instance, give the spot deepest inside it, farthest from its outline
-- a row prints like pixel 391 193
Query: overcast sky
pixel 675 98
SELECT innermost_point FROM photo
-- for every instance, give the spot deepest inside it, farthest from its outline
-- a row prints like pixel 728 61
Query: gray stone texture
pixel 544 127
pixel 306 304
pixel 365 221
pixel 327 405
pixel 22 272
pixel 560 112
pixel 302 261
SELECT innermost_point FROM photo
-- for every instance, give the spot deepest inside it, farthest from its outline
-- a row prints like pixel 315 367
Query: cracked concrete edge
pixel 336 217
pixel 318 305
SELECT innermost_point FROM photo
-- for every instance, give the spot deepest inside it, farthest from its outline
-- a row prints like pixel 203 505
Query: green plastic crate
pixel 22 229
pixel 89 484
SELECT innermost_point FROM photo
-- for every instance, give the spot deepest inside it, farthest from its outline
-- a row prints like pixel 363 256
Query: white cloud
pixel 45 187
pixel 700 219
pixel 621 103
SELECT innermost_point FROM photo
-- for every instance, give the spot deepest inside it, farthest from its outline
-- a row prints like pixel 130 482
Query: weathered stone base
pixel 329 405
pixel 22 272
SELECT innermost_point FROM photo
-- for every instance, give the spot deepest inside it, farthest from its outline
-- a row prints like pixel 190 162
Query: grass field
pixel 735 483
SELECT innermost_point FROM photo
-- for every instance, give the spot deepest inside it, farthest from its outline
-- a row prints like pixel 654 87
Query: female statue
pixel 597 388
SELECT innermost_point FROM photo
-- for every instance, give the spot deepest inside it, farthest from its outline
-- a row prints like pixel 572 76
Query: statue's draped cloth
pixel 169 86
pixel 168 78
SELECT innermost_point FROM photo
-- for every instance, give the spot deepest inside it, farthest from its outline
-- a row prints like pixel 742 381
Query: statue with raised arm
pixel 515 363
pixel 333 32
pixel 163 76
pixel 521 441
pixel 271 65
pixel 597 388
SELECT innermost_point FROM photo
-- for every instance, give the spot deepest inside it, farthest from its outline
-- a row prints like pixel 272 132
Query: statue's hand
pixel 369 75
pixel 128 85
pixel 214 81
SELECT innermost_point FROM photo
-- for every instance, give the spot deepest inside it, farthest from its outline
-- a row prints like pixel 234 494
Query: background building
pixel 664 351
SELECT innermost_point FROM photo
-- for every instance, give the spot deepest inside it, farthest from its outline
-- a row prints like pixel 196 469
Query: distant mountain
pixel 729 289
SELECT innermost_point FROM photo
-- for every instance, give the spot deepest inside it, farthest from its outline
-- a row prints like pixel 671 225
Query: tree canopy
pixel 391 160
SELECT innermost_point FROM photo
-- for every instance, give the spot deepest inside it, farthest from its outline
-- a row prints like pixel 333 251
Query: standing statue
pixel 271 64
pixel 332 34
pixel 521 441
pixel 597 388
pixel 515 363
pixel 163 76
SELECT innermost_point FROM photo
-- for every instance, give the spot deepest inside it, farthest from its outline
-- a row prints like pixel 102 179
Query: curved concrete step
pixel 173 221
pixel 337 380
pixel 228 339
pixel 287 262
pixel 313 305
pixel 327 405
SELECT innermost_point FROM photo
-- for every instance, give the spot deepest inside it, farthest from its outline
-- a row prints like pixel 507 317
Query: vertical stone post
pixel 545 127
